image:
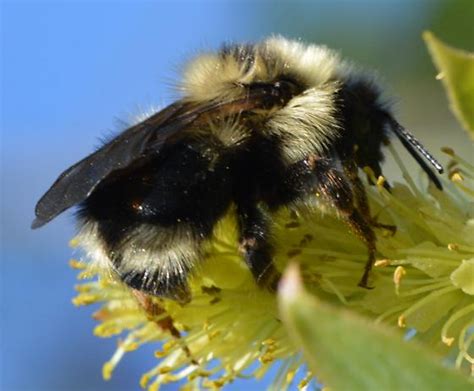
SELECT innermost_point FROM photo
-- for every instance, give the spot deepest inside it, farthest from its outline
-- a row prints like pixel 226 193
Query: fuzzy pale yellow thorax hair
pixel 220 74
pixel 308 122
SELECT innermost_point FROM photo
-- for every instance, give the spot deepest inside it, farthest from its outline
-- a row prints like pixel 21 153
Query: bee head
pixel 292 64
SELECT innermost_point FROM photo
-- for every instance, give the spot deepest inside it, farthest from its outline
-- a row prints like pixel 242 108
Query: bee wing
pixel 137 142
pixel 76 183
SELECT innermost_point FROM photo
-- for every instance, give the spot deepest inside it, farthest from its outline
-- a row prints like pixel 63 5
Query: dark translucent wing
pixel 77 182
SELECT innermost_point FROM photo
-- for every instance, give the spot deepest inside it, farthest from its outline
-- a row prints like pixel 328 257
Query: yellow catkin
pixel 144 380
pixel 105 330
pixel 453 246
pixel 382 263
pixel 130 347
pixel 107 370
pixel 290 376
pixel 154 387
pixel 380 181
pixel 78 265
pixel 448 151
pixel 266 358
pixel 303 383
pixel 85 299
pixel 167 346
pixel 456 177
pixel 213 333
pixel 402 322
pixel 447 340
pixel 397 277
pixel 165 369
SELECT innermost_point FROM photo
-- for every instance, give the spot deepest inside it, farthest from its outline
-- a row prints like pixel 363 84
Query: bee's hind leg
pixel 361 227
pixel 339 190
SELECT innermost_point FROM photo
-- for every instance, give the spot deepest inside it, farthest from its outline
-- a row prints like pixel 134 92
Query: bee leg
pixel 361 227
pixel 255 245
pixel 155 312
pixel 392 229
pixel 341 193
pixel 351 171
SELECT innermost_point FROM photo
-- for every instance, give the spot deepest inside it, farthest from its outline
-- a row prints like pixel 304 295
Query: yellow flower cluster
pixel 424 280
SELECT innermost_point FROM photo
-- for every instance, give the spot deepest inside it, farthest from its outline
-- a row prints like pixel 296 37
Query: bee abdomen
pixel 152 220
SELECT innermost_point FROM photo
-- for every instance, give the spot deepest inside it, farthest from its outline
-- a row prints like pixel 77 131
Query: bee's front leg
pixel 255 245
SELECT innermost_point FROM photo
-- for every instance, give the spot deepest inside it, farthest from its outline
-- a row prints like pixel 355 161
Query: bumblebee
pixel 259 127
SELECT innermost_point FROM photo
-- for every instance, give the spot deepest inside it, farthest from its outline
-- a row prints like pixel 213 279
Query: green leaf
pixel 456 70
pixel 347 352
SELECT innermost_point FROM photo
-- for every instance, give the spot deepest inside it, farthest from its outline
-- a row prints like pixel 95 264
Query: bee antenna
pixel 414 147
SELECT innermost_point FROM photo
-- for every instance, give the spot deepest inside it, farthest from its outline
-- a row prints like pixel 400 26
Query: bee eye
pixel 287 88
pixel 287 81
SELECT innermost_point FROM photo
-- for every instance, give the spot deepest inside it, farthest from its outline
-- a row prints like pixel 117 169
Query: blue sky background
pixel 70 70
